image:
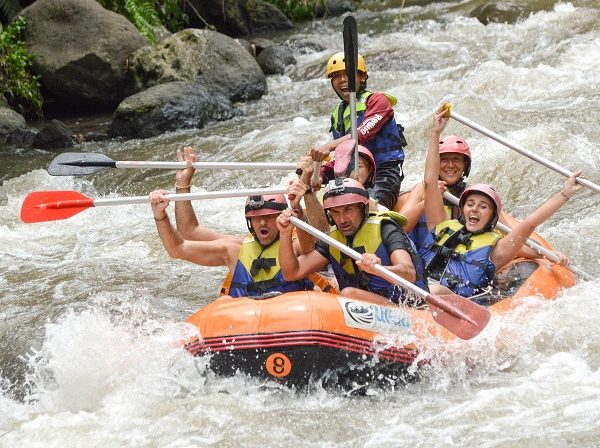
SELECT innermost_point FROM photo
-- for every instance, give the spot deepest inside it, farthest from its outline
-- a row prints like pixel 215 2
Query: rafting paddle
pixel 76 164
pixel 549 164
pixel 350 35
pixel 459 315
pixel 53 205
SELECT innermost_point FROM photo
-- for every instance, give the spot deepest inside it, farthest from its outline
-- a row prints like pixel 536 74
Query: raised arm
pixel 219 252
pixel 434 201
pixel 314 212
pixel 511 244
pixel 185 216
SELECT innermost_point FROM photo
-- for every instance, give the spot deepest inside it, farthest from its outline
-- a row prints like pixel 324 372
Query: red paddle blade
pixel 461 316
pixel 41 206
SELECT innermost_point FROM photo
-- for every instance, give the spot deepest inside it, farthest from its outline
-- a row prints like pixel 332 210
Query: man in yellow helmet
pixel 376 125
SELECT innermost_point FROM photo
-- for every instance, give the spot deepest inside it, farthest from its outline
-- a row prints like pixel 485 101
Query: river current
pixel 91 308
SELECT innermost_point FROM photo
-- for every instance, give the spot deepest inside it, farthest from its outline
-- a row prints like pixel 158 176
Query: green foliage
pixel 298 10
pixel 172 15
pixel 17 84
pixel 147 15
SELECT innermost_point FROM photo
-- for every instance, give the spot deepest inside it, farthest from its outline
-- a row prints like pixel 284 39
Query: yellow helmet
pixel 337 63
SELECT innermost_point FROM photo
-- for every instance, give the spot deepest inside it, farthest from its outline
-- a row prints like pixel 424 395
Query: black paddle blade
pixel 350 51
pixel 79 164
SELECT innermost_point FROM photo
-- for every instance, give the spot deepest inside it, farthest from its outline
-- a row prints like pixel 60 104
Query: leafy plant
pixel 298 10
pixel 147 15
pixel 20 88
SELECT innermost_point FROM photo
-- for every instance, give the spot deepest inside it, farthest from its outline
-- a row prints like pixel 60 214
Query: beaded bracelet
pixel 565 197
pixel 182 187
pixel 161 219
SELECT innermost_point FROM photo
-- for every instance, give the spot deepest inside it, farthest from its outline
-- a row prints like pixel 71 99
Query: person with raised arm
pixel 242 254
pixel 252 261
pixel 464 253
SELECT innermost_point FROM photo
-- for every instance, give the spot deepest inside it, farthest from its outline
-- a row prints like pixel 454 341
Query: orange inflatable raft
pixel 304 338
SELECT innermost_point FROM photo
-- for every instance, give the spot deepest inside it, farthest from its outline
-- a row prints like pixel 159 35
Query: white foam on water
pixel 92 305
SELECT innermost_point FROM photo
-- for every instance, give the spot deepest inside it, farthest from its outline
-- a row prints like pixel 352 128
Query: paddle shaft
pixel 548 163
pixel 386 273
pixel 459 315
pixel 530 242
pixel 188 196
pixel 205 165
pixel 356 256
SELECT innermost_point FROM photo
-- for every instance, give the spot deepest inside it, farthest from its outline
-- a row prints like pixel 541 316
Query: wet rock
pixel 335 8
pixel 54 135
pixel 95 136
pixel 13 128
pixel 239 17
pixel 169 107
pixel 305 46
pixel 248 46
pixel 274 59
pixel 500 12
pixel 206 57
pixel 22 138
pixel 80 50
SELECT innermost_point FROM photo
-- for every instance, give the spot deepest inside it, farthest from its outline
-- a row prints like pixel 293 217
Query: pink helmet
pixel 265 205
pixel 488 191
pixel 457 145
pixel 343 160
pixel 344 191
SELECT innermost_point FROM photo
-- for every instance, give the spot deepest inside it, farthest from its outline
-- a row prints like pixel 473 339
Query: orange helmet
pixel 488 191
pixel 337 63
pixel 262 206
pixel 344 191
pixel 265 205
pixel 457 145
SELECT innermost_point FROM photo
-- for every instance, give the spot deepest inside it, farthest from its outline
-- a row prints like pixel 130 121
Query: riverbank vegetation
pixel 20 88
pixel 299 10
pixel 149 15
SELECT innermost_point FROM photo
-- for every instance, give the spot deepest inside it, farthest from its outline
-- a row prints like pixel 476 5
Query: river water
pixel 91 307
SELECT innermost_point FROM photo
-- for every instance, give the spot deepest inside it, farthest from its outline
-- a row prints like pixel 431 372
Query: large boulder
pixel 54 135
pixel 10 123
pixel 334 8
pixel 274 59
pixel 81 52
pixel 169 107
pixel 238 17
pixel 212 59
